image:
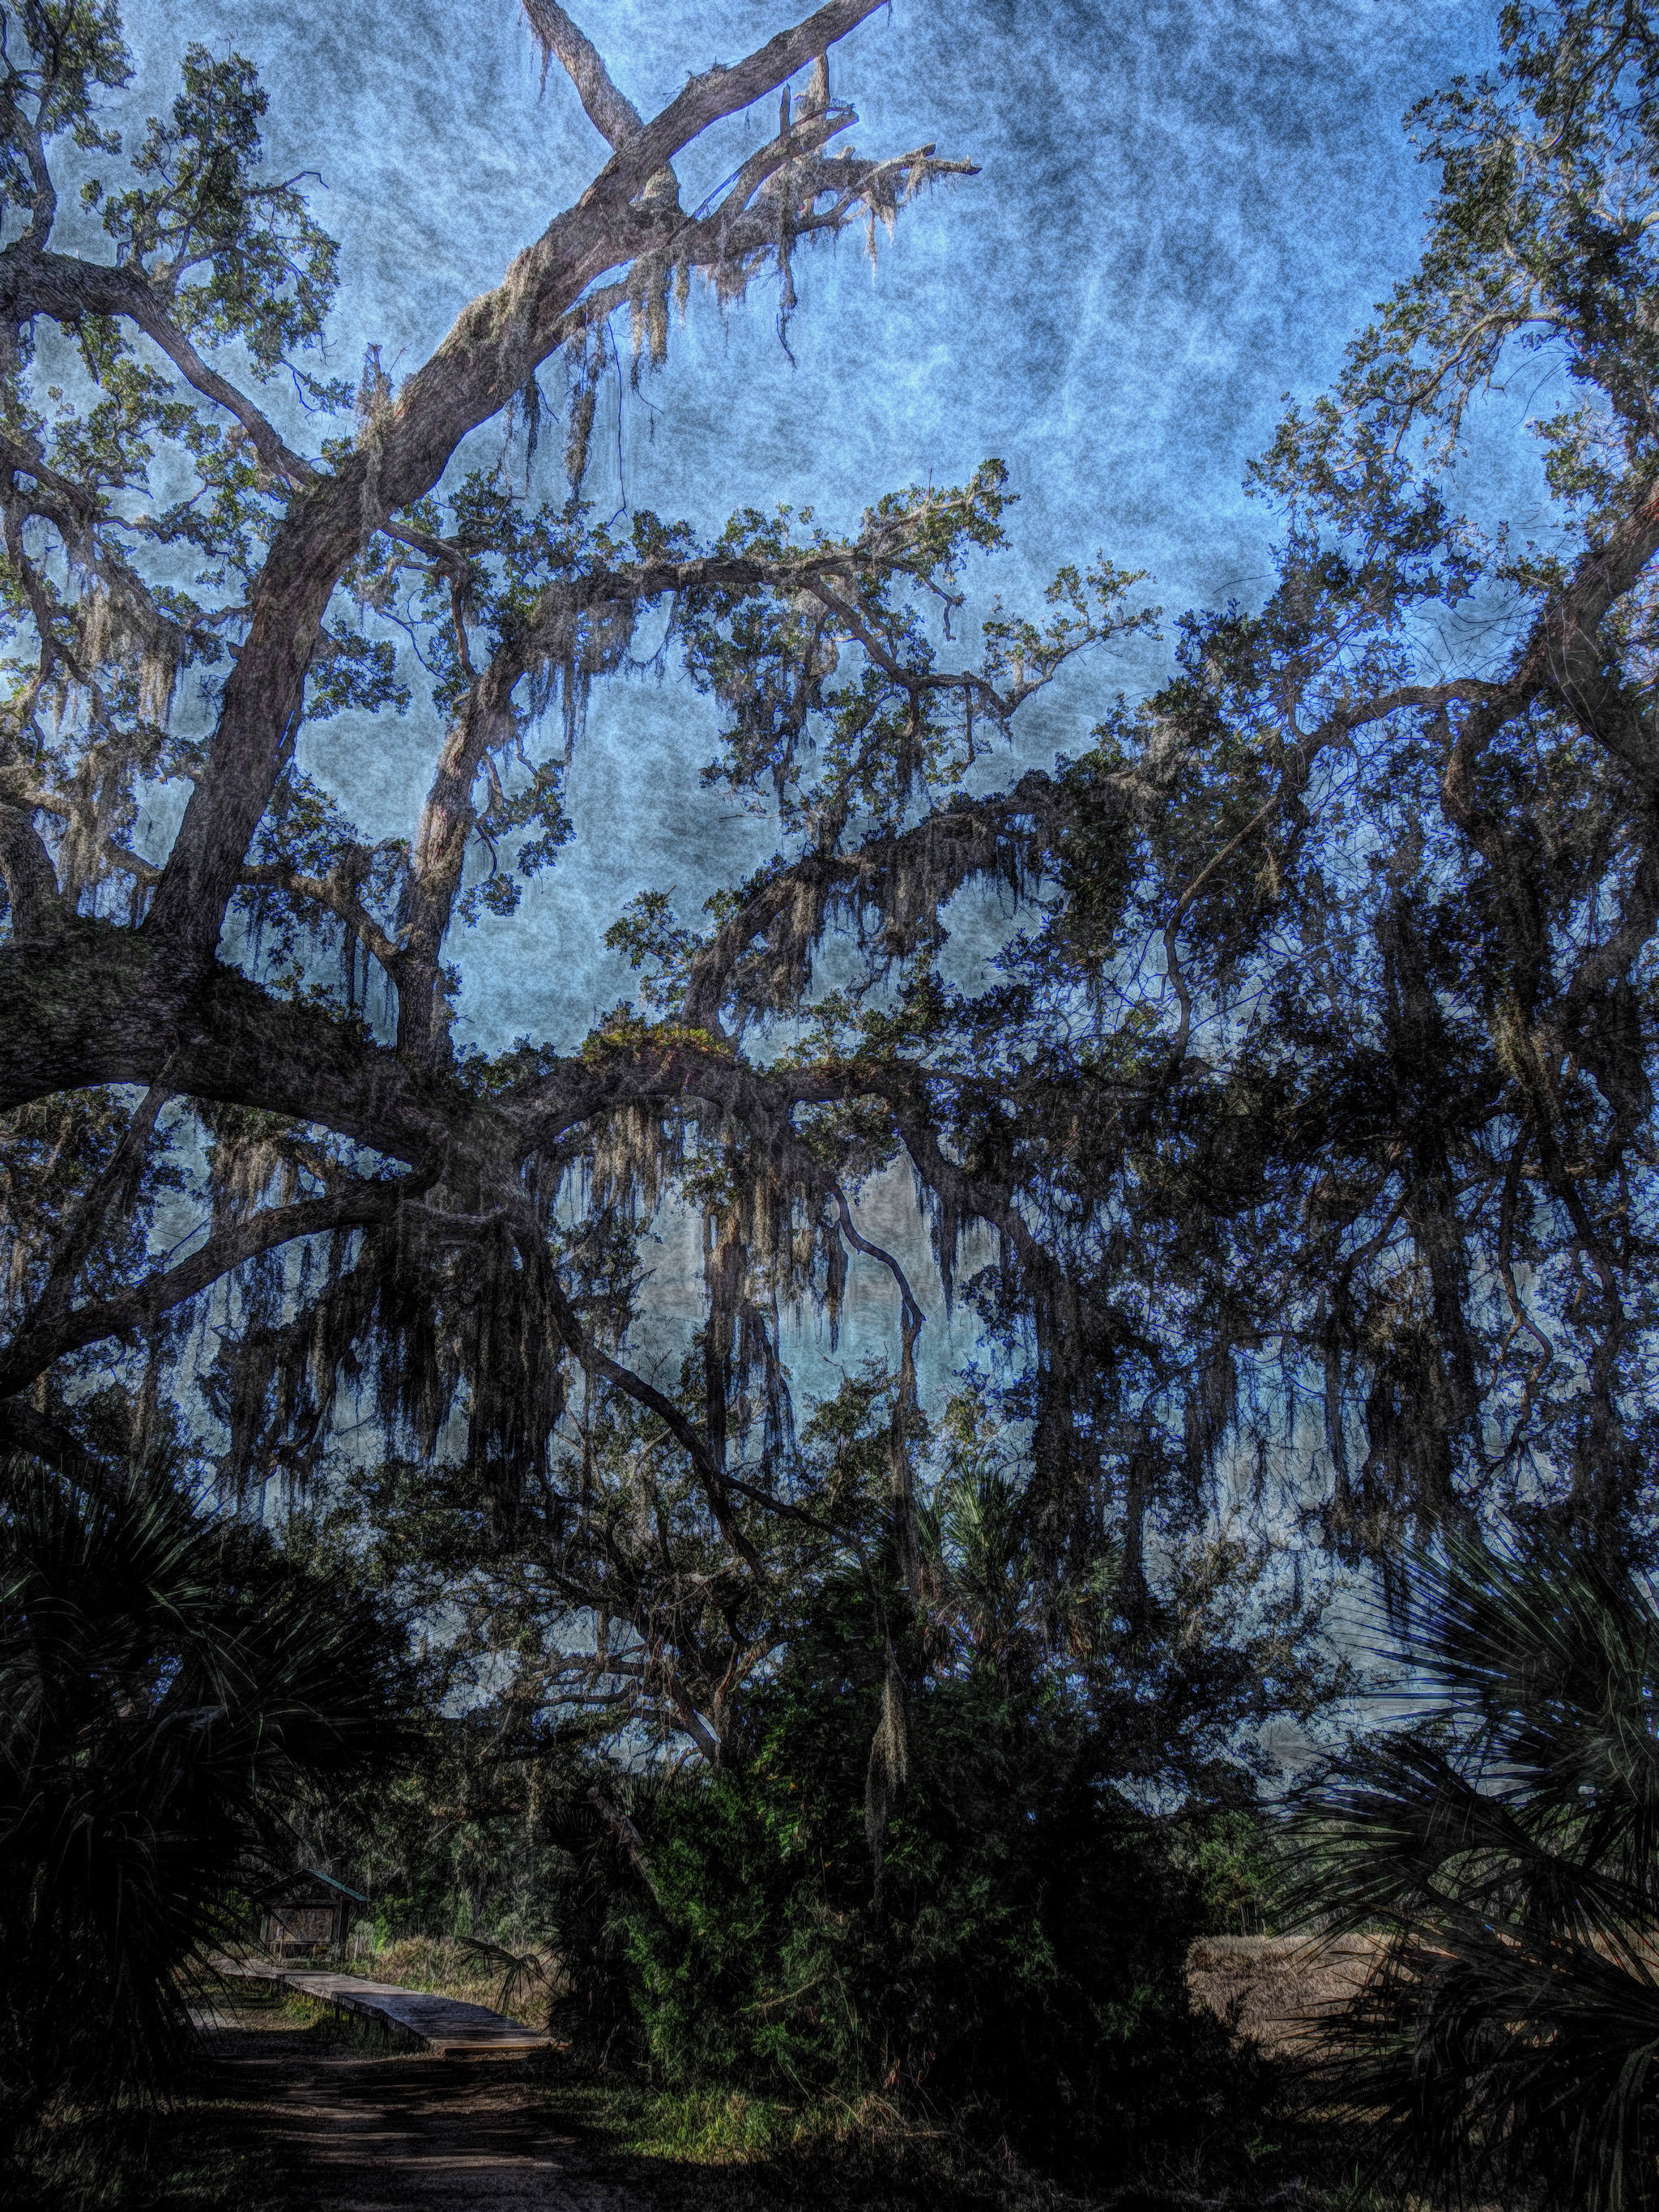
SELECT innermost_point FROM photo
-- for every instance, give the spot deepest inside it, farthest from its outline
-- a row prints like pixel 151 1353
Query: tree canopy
pixel 1306 1113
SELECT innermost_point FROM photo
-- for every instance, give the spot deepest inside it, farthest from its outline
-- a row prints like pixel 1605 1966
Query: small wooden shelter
pixel 307 1915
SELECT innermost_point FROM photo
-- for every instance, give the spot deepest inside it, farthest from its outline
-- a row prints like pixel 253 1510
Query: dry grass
pixel 1275 1990
pixel 440 1966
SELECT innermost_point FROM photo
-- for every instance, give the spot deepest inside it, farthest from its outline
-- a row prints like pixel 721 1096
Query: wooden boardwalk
pixel 444 2025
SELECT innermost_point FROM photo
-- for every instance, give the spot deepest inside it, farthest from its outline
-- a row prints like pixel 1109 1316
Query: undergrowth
pixel 732 2152
pixel 690 2151
pixel 697 2152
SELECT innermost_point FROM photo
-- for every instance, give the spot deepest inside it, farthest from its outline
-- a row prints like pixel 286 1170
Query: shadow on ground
pixel 356 2127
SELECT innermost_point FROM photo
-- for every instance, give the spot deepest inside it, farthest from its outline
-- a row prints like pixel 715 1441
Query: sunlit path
pixel 449 2027
pixel 359 2130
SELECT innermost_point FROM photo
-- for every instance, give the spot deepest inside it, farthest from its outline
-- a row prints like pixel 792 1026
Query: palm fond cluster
pixel 1294 1157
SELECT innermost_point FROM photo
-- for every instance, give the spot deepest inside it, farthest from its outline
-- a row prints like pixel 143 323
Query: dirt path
pixel 358 2131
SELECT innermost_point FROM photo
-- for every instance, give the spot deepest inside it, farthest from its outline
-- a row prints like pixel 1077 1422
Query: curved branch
pixel 616 118
pixel 335 896
pixel 35 1348
pixel 715 1484
pixel 914 1316
pixel 67 289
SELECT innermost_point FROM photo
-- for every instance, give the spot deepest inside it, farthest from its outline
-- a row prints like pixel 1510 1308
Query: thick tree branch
pixel 495 346
pixel 39 909
pixel 616 118
pixel 720 92
pixel 38 1344
pixel 35 1435
pixel 20 129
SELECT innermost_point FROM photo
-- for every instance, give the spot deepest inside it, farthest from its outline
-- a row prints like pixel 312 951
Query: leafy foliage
pixel 1504 1845
pixel 1022 1964
pixel 170 1687
pixel 1291 1146
pixel 264 270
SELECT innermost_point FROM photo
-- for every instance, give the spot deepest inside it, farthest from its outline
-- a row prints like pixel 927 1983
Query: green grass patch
pixel 730 2152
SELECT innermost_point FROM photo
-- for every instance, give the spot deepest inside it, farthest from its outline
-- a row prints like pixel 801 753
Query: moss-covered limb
pixel 578 626
pixel 491 352
pixel 102 1004
pixel 46 1338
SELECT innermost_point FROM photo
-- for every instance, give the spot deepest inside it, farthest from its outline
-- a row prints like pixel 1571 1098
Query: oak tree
pixel 1308 1110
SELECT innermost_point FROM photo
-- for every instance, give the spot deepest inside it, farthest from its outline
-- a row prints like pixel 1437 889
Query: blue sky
pixel 1183 212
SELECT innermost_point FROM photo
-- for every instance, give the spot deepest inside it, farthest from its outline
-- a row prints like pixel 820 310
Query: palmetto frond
pixel 1503 1844
pixel 165 1685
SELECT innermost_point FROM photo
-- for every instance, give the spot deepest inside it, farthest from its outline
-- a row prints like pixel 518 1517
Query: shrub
pixel 1506 1842
pixel 166 1681
pixel 1012 1952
